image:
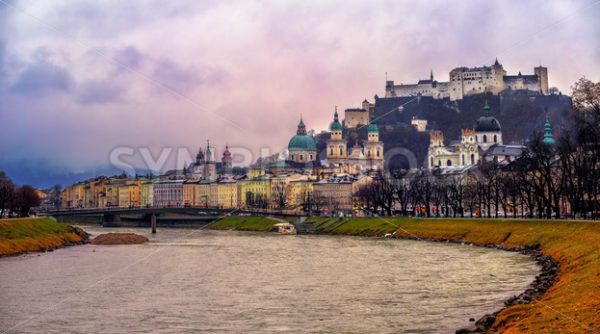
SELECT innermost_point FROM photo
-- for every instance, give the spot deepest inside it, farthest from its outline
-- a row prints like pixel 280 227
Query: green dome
pixel 373 128
pixel 302 143
pixel 335 125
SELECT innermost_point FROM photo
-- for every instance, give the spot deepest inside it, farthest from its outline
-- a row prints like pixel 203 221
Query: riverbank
pixel 244 223
pixel 25 235
pixel 570 304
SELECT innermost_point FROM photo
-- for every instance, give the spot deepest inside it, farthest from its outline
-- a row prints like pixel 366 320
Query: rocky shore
pixel 543 281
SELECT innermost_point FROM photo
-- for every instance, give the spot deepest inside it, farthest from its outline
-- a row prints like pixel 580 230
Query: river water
pixel 190 281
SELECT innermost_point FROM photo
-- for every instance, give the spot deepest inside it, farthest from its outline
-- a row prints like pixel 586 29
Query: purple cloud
pixel 128 58
pixel 99 92
pixel 41 76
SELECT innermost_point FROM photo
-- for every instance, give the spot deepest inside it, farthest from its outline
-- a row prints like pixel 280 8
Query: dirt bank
pixel 119 239
pixel 26 235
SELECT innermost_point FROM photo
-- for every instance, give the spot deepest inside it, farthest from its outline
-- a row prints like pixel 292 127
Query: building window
pixel 472 159
pixel 485 138
pixel 495 139
pixel 463 159
pixel 448 163
pixel 439 162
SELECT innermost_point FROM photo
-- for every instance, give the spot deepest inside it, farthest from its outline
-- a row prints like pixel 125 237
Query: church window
pixel 448 163
pixel 311 157
pixel 472 159
pixel 301 156
pixel 378 153
pixel 495 139
pixel 331 150
pixel 341 150
pixel 463 159
pixel 485 138
pixel 439 162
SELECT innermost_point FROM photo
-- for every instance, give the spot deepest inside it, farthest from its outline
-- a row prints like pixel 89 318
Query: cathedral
pixel 484 140
pixel 205 167
pixel 369 156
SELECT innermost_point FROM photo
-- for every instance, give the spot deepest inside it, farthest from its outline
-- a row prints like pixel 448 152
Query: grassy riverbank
pixel 24 235
pixel 571 305
pixel 244 223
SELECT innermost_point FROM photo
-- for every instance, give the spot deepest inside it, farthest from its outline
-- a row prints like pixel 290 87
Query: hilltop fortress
pixel 470 81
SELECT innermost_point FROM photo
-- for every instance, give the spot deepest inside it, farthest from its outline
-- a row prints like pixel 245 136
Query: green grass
pixel 241 223
pixel 18 228
pixel 24 235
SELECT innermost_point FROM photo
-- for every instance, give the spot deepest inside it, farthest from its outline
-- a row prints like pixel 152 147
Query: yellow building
pixel 254 192
pixel 336 194
pixel 226 193
pixel 146 193
pixel 299 191
pixel 189 193
pixel 202 194
pixel 129 193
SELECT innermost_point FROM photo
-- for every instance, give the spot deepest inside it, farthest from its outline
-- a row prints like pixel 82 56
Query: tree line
pixel 550 180
pixel 15 200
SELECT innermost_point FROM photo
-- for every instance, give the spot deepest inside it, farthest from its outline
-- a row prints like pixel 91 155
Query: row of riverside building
pixel 295 180
pixel 256 189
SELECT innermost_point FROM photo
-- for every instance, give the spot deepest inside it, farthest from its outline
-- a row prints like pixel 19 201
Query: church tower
pixel 336 145
pixel 210 166
pixel 227 161
pixel 374 147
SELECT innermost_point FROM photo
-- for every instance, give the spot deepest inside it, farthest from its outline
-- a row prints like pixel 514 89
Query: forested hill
pixel 519 116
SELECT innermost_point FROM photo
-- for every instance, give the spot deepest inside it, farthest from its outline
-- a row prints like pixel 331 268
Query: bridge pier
pixel 153 223
pixel 111 220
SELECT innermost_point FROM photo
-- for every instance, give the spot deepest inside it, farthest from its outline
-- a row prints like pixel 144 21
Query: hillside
pixel 519 115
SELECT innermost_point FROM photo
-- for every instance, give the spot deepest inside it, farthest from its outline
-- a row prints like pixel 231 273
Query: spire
pixel 496 63
pixel 548 138
pixel 486 109
pixel 335 125
pixel 431 74
pixel 301 127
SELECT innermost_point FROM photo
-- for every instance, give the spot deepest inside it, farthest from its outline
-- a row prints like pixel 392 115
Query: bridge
pixel 176 216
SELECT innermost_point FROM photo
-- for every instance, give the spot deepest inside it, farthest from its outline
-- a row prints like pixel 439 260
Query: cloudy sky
pixel 79 79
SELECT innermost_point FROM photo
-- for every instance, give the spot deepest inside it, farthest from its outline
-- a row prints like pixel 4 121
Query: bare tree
pixel 25 198
pixel 281 194
pixel 7 193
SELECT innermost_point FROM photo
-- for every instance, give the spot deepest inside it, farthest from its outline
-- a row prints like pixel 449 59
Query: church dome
pixel 335 125
pixel 302 141
pixel 373 128
pixel 487 122
pixel 226 153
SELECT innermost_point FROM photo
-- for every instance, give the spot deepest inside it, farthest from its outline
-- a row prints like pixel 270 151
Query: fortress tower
pixel 542 74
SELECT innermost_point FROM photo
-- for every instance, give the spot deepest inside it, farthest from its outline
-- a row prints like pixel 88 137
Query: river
pixel 190 281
